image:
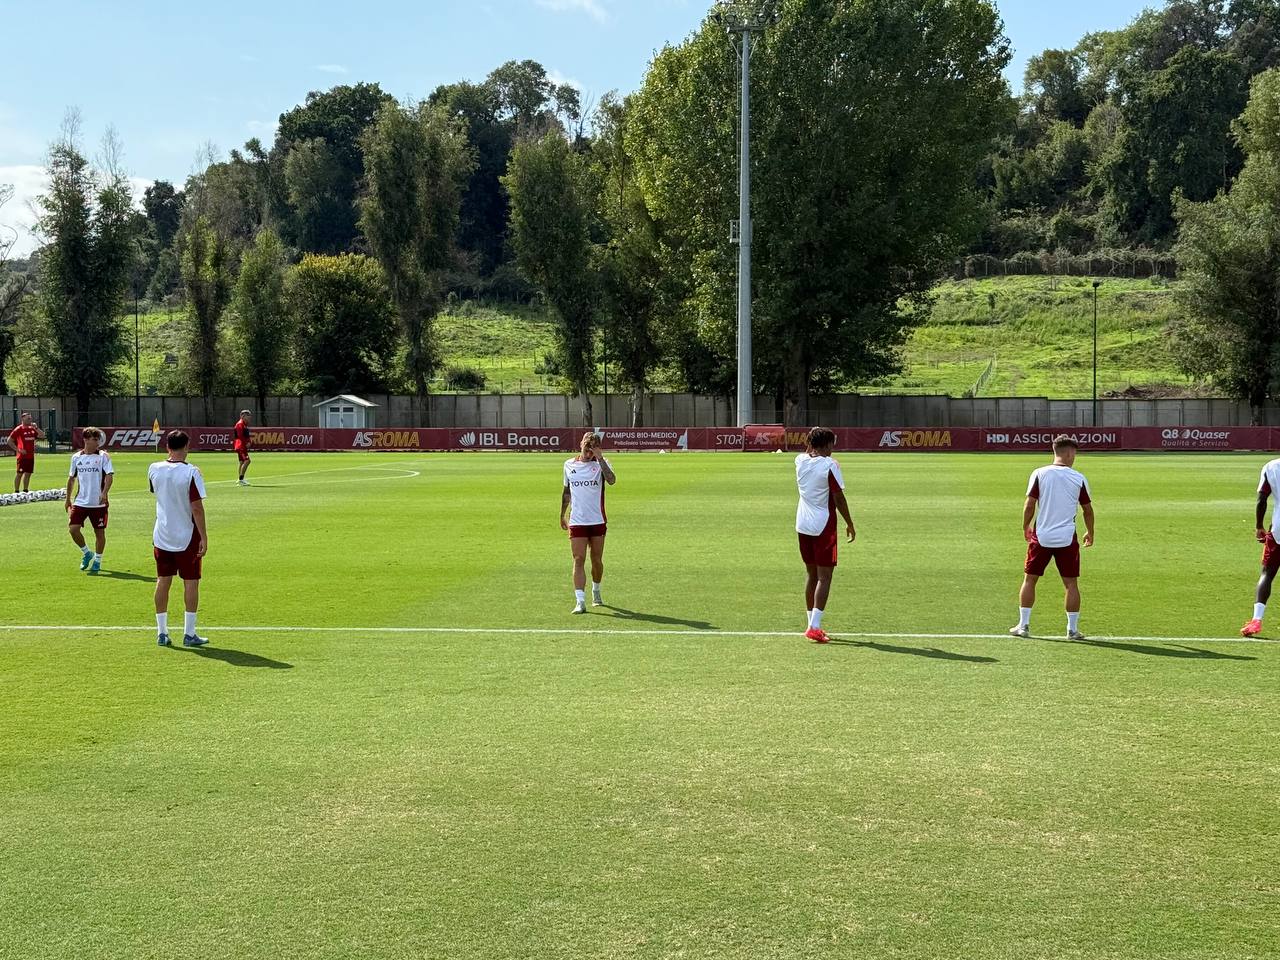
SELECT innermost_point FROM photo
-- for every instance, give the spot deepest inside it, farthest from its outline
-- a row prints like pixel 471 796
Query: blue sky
pixel 172 77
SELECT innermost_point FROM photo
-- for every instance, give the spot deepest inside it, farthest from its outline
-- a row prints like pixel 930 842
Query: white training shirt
pixel 814 478
pixel 1270 485
pixel 585 480
pixel 1060 490
pixel 90 471
pixel 175 485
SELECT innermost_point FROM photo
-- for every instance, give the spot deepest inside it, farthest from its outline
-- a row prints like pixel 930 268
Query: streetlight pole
pixel 1096 285
pixel 744 19
pixel 137 367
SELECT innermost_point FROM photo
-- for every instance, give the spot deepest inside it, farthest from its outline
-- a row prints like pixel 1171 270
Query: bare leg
pixel 26 483
pixel 579 547
pixel 822 589
pixel 1264 585
pixel 77 535
pixel 162 594
pixel 191 594
pixel 99 540
pixel 1027 595
pixel 597 559
pixel 810 585
pixel 244 468
pixel 1073 594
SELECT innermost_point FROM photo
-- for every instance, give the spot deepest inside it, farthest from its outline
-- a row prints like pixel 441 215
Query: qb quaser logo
pixel 916 438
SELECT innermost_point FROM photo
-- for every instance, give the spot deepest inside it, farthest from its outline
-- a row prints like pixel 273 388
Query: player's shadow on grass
pixel 124 575
pixel 1180 652
pixel 621 613
pixel 932 653
pixel 237 658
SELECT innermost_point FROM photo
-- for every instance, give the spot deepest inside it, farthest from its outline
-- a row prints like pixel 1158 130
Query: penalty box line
pixel 597 631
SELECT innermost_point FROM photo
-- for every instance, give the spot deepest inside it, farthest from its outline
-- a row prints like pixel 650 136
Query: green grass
pixel 693 793
pixel 1037 338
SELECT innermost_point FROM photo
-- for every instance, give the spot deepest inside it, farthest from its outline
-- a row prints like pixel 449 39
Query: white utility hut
pixel 345 412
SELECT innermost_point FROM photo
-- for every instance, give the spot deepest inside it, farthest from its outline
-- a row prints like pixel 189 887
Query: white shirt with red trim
pixel 1270 485
pixel 815 478
pixel 585 480
pixel 90 471
pixel 176 486
pixel 1060 490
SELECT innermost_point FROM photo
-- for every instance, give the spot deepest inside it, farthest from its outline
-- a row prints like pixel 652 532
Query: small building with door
pixel 345 412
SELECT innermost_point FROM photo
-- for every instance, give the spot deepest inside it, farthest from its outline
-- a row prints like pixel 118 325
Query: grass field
pixel 676 775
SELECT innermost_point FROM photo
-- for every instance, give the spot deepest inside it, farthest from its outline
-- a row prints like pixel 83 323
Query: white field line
pixel 406 474
pixel 570 631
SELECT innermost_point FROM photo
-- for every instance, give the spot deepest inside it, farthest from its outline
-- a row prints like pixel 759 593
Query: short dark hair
pixel 92 432
pixel 176 440
pixel 820 437
pixel 1062 441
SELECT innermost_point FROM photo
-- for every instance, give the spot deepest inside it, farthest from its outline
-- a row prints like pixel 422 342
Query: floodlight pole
pixel 137 367
pixel 746 394
pixel 1096 285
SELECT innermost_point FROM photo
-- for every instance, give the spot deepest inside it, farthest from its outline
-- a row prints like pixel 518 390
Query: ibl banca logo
pixel 467 440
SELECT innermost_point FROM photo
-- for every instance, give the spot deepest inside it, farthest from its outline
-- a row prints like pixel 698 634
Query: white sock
pixel 188 624
pixel 1024 616
pixel 581 595
pixel 595 588
pixel 1073 621
pixel 808 616
pixel 162 624
pixel 815 619
pixel 85 549
pixel 97 557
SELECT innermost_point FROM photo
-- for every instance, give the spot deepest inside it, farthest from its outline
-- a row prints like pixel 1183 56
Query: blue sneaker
pixel 86 560
pixel 164 641
pixel 95 567
pixel 191 640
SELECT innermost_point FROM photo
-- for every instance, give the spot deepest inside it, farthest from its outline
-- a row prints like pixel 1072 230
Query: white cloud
pixel 263 128
pixel 19 214
pixel 331 68
pixel 559 79
pixel 592 8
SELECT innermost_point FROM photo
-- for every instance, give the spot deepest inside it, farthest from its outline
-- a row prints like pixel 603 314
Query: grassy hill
pixel 1008 336
pixel 1033 336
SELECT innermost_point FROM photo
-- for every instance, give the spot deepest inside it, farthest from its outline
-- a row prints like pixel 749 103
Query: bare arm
pixel 109 479
pixel 842 507
pixel 71 485
pixel 607 470
pixel 564 505
pixel 1260 524
pixel 197 515
pixel 1087 510
pixel 1028 514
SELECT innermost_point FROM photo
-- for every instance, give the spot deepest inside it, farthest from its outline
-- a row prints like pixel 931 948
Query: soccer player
pixel 180 538
pixel 1268 484
pixel 821 487
pixel 23 439
pixel 241 434
pixel 1058 490
pixel 585 477
pixel 91 477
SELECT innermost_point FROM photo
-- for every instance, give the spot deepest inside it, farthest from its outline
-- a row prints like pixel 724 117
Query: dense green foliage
pixel 640 793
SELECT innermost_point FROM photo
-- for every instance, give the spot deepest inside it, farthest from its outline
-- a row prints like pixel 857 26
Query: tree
pixel 331 122
pixel 552 206
pixel 260 317
pixel 1229 262
pixel 163 207
pixel 416 165
pixel 346 324
pixel 85 223
pixel 868 122
pixel 1053 84
pixel 13 290
pixel 207 279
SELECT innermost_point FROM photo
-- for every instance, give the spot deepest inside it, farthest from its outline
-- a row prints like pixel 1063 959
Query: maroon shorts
pixel 1067 558
pixel 242 454
pixel 26 463
pixel 820 551
pixel 96 517
pixel 184 564
pixel 1271 554
pixel 587 531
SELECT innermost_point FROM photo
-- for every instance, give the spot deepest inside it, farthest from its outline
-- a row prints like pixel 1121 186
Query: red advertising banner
pixel 763 439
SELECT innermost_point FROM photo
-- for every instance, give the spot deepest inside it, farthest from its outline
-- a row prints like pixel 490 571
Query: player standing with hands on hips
pixel 23 439
pixel 821 486
pixel 180 537
pixel 1057 490
pixel 585 477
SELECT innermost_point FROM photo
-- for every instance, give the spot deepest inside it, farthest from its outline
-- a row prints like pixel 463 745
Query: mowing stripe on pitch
pixel 596 631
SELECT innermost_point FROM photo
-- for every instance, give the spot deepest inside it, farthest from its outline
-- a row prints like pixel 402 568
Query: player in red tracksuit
pixel 241 434
pixel 23 439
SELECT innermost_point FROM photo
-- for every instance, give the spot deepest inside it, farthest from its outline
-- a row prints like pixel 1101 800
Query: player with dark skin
pixel 817 587
pixel 1260 533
